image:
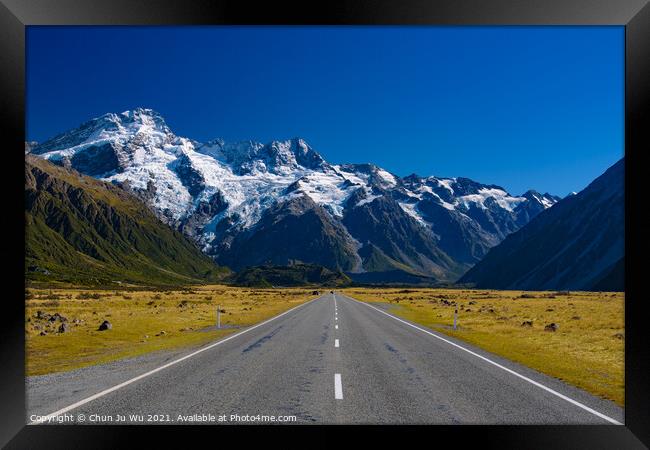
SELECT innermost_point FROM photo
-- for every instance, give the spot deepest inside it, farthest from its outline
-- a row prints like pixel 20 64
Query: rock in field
pixel 56 316
pixel 64 328
pixel 106 325
pixel 551 327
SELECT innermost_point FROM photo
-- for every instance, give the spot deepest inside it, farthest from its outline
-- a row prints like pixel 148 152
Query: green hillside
pixel 84 231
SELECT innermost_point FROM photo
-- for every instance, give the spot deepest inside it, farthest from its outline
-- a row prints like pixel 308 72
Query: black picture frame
pixel 634 15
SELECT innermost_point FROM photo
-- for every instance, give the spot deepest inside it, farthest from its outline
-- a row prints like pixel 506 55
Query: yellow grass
pixel 137 319
pixel 587 350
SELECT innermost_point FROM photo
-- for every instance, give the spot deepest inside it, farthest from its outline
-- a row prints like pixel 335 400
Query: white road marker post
pixel 455 316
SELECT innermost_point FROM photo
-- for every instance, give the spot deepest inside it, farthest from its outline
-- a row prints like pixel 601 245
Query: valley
pixel 325 225
pixel 135 237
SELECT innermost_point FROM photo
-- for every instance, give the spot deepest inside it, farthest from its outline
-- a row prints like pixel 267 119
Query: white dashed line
pixel 338 387
pixel 336 342
pixel 336 326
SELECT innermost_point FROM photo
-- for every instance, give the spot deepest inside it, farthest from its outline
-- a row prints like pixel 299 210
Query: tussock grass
pixel 138 318
pixel 587 350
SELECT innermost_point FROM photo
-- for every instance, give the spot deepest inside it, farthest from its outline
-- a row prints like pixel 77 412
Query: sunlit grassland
pixel 142 321
pixel 586 350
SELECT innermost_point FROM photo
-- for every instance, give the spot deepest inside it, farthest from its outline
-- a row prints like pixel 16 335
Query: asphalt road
pixel 334 360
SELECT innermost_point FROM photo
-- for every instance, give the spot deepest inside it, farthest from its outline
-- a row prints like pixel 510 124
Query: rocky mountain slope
pixel 81 230
pixel 248 203
pixel 576 245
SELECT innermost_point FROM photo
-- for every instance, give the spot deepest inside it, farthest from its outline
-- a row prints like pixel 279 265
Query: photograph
pixel 201 201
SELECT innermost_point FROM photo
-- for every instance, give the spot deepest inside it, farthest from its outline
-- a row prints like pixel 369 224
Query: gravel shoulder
pixel 48 393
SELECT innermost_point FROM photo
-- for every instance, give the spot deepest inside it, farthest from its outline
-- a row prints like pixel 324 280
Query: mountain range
pixel 579 244
pixel 251 204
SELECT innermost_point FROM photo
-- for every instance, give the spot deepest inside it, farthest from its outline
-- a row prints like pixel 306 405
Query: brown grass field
pixel 138 318
pixel 586 350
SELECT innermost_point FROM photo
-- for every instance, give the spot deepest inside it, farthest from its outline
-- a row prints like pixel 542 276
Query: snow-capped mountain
pixel 249 203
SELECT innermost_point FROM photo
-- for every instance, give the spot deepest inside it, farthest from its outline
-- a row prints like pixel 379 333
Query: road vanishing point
pixel 332 360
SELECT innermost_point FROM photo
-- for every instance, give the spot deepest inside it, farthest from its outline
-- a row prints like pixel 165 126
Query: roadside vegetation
pixel 578 337
pixel 62 325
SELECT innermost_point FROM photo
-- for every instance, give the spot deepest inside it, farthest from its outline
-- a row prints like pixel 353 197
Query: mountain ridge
pixel 576 245
pixel 223 194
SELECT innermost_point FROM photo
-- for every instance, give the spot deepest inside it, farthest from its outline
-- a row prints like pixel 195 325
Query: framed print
pixel 360 214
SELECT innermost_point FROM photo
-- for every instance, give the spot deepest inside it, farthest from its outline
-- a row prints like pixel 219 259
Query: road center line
pixel 158 369
pixel 533 382
pixel 338 387
pixel 336 342
pixel 336 326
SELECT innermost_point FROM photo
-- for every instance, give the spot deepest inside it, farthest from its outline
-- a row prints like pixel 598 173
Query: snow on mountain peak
pixel 145 117
pixel 216 185
pixel 292 154
pixel 501 197
pixel 140 125
pixel 250 157
pixel 546 200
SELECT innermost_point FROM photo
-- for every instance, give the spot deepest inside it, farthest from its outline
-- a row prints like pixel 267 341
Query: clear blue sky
pixel 521 107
